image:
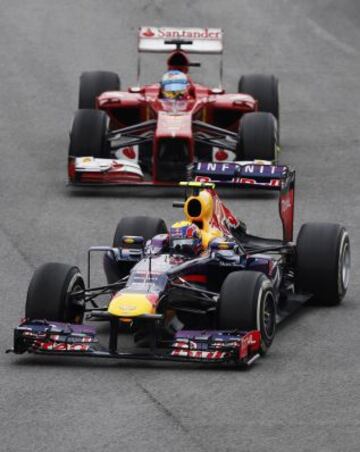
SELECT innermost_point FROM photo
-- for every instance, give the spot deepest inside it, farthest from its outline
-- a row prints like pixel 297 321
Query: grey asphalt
pixel 304 396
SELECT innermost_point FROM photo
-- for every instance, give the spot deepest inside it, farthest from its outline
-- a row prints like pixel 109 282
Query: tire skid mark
pixel 17 248
pixel 169 414
pixel 330 38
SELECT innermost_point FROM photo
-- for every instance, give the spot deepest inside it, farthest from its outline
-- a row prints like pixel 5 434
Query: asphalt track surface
pixel 304 396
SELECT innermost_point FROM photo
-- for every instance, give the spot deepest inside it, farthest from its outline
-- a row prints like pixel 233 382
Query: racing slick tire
pixel 264 89
pixel 323 262
pixel 48 294
pixel 257 137
pixel 88 135
pixel 146 227
pixel 143 226
pixel 94 83
pixel 247 302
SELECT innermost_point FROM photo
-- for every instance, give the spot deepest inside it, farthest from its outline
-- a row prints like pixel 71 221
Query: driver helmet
pixel 185 238
pixel 174 85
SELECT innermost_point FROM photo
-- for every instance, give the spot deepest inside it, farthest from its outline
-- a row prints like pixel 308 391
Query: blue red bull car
pixel 202 290
pixel 151 133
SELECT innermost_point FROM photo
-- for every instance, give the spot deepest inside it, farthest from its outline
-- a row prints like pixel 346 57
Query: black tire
pixel 94 83
pixel 323 262
pixel 48 294
pixel 88 135
pixel 247 302
pixel 265 89
pixel 257 137
pixel 146 227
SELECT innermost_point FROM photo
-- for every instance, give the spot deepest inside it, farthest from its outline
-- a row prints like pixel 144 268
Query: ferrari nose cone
pixel 131 305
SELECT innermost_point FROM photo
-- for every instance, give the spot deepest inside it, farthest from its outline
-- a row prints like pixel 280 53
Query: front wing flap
pixel 55 338
pixel 90 170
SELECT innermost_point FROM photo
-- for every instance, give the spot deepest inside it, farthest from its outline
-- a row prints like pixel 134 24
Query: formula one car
pixel 149 134
pixel 202 291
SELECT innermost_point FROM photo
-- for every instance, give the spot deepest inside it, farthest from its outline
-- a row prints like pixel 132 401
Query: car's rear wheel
pixel 323 262
pixel 88 135
pixel 146 227
pixel 143 226
pixel 94 83
pixel 247 302
pixel 257 137
pixel 265 89
pixel 49 294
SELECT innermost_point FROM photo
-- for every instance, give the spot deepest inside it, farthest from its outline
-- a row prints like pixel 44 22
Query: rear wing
pixel 189 40
pixel 193 40
pixel 254 175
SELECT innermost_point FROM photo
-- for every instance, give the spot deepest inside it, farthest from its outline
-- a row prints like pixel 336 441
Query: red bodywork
pixel 171 123
pixel 127 108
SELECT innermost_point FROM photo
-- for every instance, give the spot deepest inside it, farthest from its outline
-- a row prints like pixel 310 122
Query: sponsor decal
pixel 249 181
pixel 130 153
pixel 285 204
pixel 208 34
pixel 86 160
pixel 61 346
pixel 287 213
pixel 222 155
pixel 202 179
pixel 214 168
pixel 128 307
pixel 148 33
pixel 197 354
pixel 249 341
pixel 117 165
pixel 263 170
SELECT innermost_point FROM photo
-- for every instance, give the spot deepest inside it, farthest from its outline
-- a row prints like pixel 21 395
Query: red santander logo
pixel 181 33
pixel 148 33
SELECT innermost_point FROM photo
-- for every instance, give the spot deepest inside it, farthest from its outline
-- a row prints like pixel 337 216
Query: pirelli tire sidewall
pixel 49 294
pixel 88 135
pixel 265 89
pixel 323 262
pixel 257 137
pixel 93 84
pixel 247 302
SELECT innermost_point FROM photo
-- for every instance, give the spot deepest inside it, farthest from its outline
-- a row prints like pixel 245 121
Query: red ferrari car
pixel 152 134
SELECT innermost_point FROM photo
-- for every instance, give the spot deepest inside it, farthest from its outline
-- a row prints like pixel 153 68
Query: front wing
pixel 89 171
pixel 55 338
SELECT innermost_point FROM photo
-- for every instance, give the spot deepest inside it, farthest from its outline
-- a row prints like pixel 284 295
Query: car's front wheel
pixel 257 137
pixel 247 302
pixel 88 135
pixel 265 89
pixel 50 292
pixel 94 83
